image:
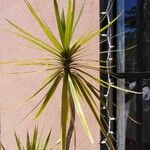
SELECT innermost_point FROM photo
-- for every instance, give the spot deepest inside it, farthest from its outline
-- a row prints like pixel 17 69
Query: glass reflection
pixel 128 60
pixel 131 12
pixel 131 35
pixel 131 130
pixel 146 35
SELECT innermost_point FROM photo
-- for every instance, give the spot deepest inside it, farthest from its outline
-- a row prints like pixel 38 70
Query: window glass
pixel 127 36
pixel 146 35
pixel 130 35
pixel 132 124
pixel 128 126
pixel 128 27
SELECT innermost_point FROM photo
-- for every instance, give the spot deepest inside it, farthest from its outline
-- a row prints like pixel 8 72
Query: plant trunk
pixel 71 125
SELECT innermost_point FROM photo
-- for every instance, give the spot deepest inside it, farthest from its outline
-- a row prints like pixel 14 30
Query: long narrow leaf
pixel 34 141
pixel 50 79
pixel 17 141
pixel 63 21
pixel 79 109
pixel 79 16
pixel 108 84
pixel 49 94
pixel 47 140
pixel 33 38
pixel 87 98
pixel 77 77
pixel 69 22
pixel 37 44
pixel 59 23
pixel 93 34
pixel 28 142
pixel 44 27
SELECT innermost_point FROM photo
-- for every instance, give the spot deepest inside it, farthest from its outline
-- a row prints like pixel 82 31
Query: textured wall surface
pixel 16 88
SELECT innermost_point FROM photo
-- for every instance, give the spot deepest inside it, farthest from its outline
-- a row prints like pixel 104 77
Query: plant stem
pixel 71 125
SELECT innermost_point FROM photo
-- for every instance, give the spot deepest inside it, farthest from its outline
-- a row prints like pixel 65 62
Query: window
pixel 133 69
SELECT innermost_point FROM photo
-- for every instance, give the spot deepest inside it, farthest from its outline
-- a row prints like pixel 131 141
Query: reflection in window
pixel 128 61
pixel 131 35
pixel 146 35
pixel 131 132
pixel 131 29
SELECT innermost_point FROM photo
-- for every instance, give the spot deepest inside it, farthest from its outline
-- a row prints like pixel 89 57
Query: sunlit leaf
pixel 69 23
pixel 85 94
pixel 59 22
pixel 79 109
pixel 44 27
pixel 28 36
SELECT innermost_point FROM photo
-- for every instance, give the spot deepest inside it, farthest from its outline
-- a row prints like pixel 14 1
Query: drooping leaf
pixel 87 97
pixel 100 81
pixel 79 110
pixel 49 94
pixel 77 77
pixel 49 80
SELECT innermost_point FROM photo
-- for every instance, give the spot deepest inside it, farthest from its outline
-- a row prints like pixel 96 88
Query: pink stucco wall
pixel 15 89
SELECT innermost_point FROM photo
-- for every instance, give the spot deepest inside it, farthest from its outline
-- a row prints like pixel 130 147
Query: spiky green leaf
pixel 31 38
pixel 17 141
pixel 87 97
pixel 79 16
pixel 44 27
pixel 34 140
pixel 49 94
pixel 73 90
pixel 69 23
pixel 47 140
pixel 28 143
pixel 59 23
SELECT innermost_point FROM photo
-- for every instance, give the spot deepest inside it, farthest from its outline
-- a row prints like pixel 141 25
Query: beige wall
pixel 15 89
